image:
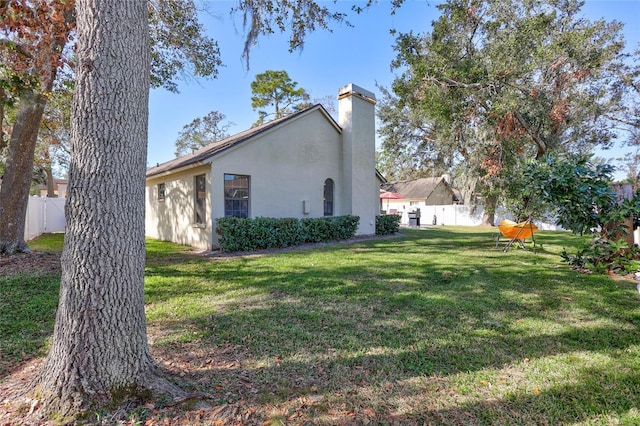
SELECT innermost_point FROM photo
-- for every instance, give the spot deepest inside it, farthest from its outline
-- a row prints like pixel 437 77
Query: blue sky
pixel 361 54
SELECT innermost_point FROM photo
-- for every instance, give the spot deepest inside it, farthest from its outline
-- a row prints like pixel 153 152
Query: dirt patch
pixel 25 263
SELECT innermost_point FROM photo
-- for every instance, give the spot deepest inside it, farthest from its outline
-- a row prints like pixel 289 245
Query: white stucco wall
pixel 356 108
pixel 287 166
pixel 173 219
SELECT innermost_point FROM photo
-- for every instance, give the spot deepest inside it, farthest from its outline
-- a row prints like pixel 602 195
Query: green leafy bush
pixel 387 224
pixel 246 234
pixel 578 191
pixel 324 229
pixel 601 256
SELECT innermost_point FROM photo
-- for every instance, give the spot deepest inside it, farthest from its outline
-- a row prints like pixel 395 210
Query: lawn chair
pixel 517 233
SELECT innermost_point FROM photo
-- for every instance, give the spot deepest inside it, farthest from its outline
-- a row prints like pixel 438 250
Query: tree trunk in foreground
pixel 14 193
pixel 99 346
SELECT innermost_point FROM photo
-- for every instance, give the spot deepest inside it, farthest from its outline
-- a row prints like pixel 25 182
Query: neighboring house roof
pixel 56 182
pixel 197 157
pixel 416 188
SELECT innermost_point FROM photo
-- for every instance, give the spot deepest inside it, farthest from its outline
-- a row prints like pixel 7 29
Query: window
pixel 328 197
pixel 162 192
pixel 414 203
pixel 236 195
pixel 200 204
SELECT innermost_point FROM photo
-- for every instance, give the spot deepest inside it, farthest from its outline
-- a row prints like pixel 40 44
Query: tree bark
pixel 51 181
pixel 489 215
pixel 99 347
pixel 14 193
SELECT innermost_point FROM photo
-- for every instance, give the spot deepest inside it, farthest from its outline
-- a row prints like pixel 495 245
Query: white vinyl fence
pixel 464 215
pixel 44 215
pixel 47 215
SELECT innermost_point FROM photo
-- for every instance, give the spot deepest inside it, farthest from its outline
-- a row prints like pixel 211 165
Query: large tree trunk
pixel 489 215
pixel 99 346
pixel 14 193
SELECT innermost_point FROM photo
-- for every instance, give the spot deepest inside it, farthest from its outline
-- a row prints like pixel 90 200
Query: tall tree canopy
pixel 201 132
pixel 502 81
pixel 275 89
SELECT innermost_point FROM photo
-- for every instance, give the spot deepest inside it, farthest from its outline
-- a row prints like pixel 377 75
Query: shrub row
pixel 247 234
pixel 387 224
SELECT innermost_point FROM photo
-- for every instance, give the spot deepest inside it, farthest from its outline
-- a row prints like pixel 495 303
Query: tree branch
pixel 540 143
pixel 630 123
pixel 12 45
pixel 453 83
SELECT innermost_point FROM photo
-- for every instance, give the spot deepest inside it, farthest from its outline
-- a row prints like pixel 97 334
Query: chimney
pixel 356 117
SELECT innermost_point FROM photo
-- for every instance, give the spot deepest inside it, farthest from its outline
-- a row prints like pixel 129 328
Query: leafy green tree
pixel 578 192
pixel 628 116
pixel 509 81
pixel 201 132
pixel 276 90
pixel 409 149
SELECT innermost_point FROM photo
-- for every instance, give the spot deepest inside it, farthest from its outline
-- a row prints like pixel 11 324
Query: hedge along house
pixel 302 165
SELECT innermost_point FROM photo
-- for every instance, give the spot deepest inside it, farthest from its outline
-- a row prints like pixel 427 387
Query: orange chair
pixel 517 233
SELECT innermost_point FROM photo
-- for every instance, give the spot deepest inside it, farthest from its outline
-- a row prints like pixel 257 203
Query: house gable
pixel 302 165
pixel 206 154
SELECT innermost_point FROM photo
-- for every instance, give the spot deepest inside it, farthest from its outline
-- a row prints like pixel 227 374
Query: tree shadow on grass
pixel 420 378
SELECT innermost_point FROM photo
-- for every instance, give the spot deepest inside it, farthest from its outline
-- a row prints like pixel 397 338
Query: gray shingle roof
pixel 416 188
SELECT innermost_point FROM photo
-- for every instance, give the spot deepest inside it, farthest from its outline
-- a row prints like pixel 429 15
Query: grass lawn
pixel 436 326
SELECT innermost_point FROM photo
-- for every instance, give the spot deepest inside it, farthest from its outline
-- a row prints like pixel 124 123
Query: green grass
pixel 434 327
pixel 47 243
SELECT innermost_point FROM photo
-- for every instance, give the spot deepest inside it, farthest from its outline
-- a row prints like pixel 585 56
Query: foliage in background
pixel 497 82
pixel 247 234
pixel 201 132
pixel 387 224
pixel 578 193
pixel 275 89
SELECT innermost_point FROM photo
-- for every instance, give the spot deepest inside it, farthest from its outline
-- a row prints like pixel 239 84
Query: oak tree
pixel 33 51
pixel 506 82
pixel 34 37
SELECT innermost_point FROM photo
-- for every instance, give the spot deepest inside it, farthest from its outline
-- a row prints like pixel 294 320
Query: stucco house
pixel 417 194
pixel 303 165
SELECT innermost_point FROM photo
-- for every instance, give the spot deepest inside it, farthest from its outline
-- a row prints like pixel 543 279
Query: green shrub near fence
pixel 246 234
pixel 387 224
